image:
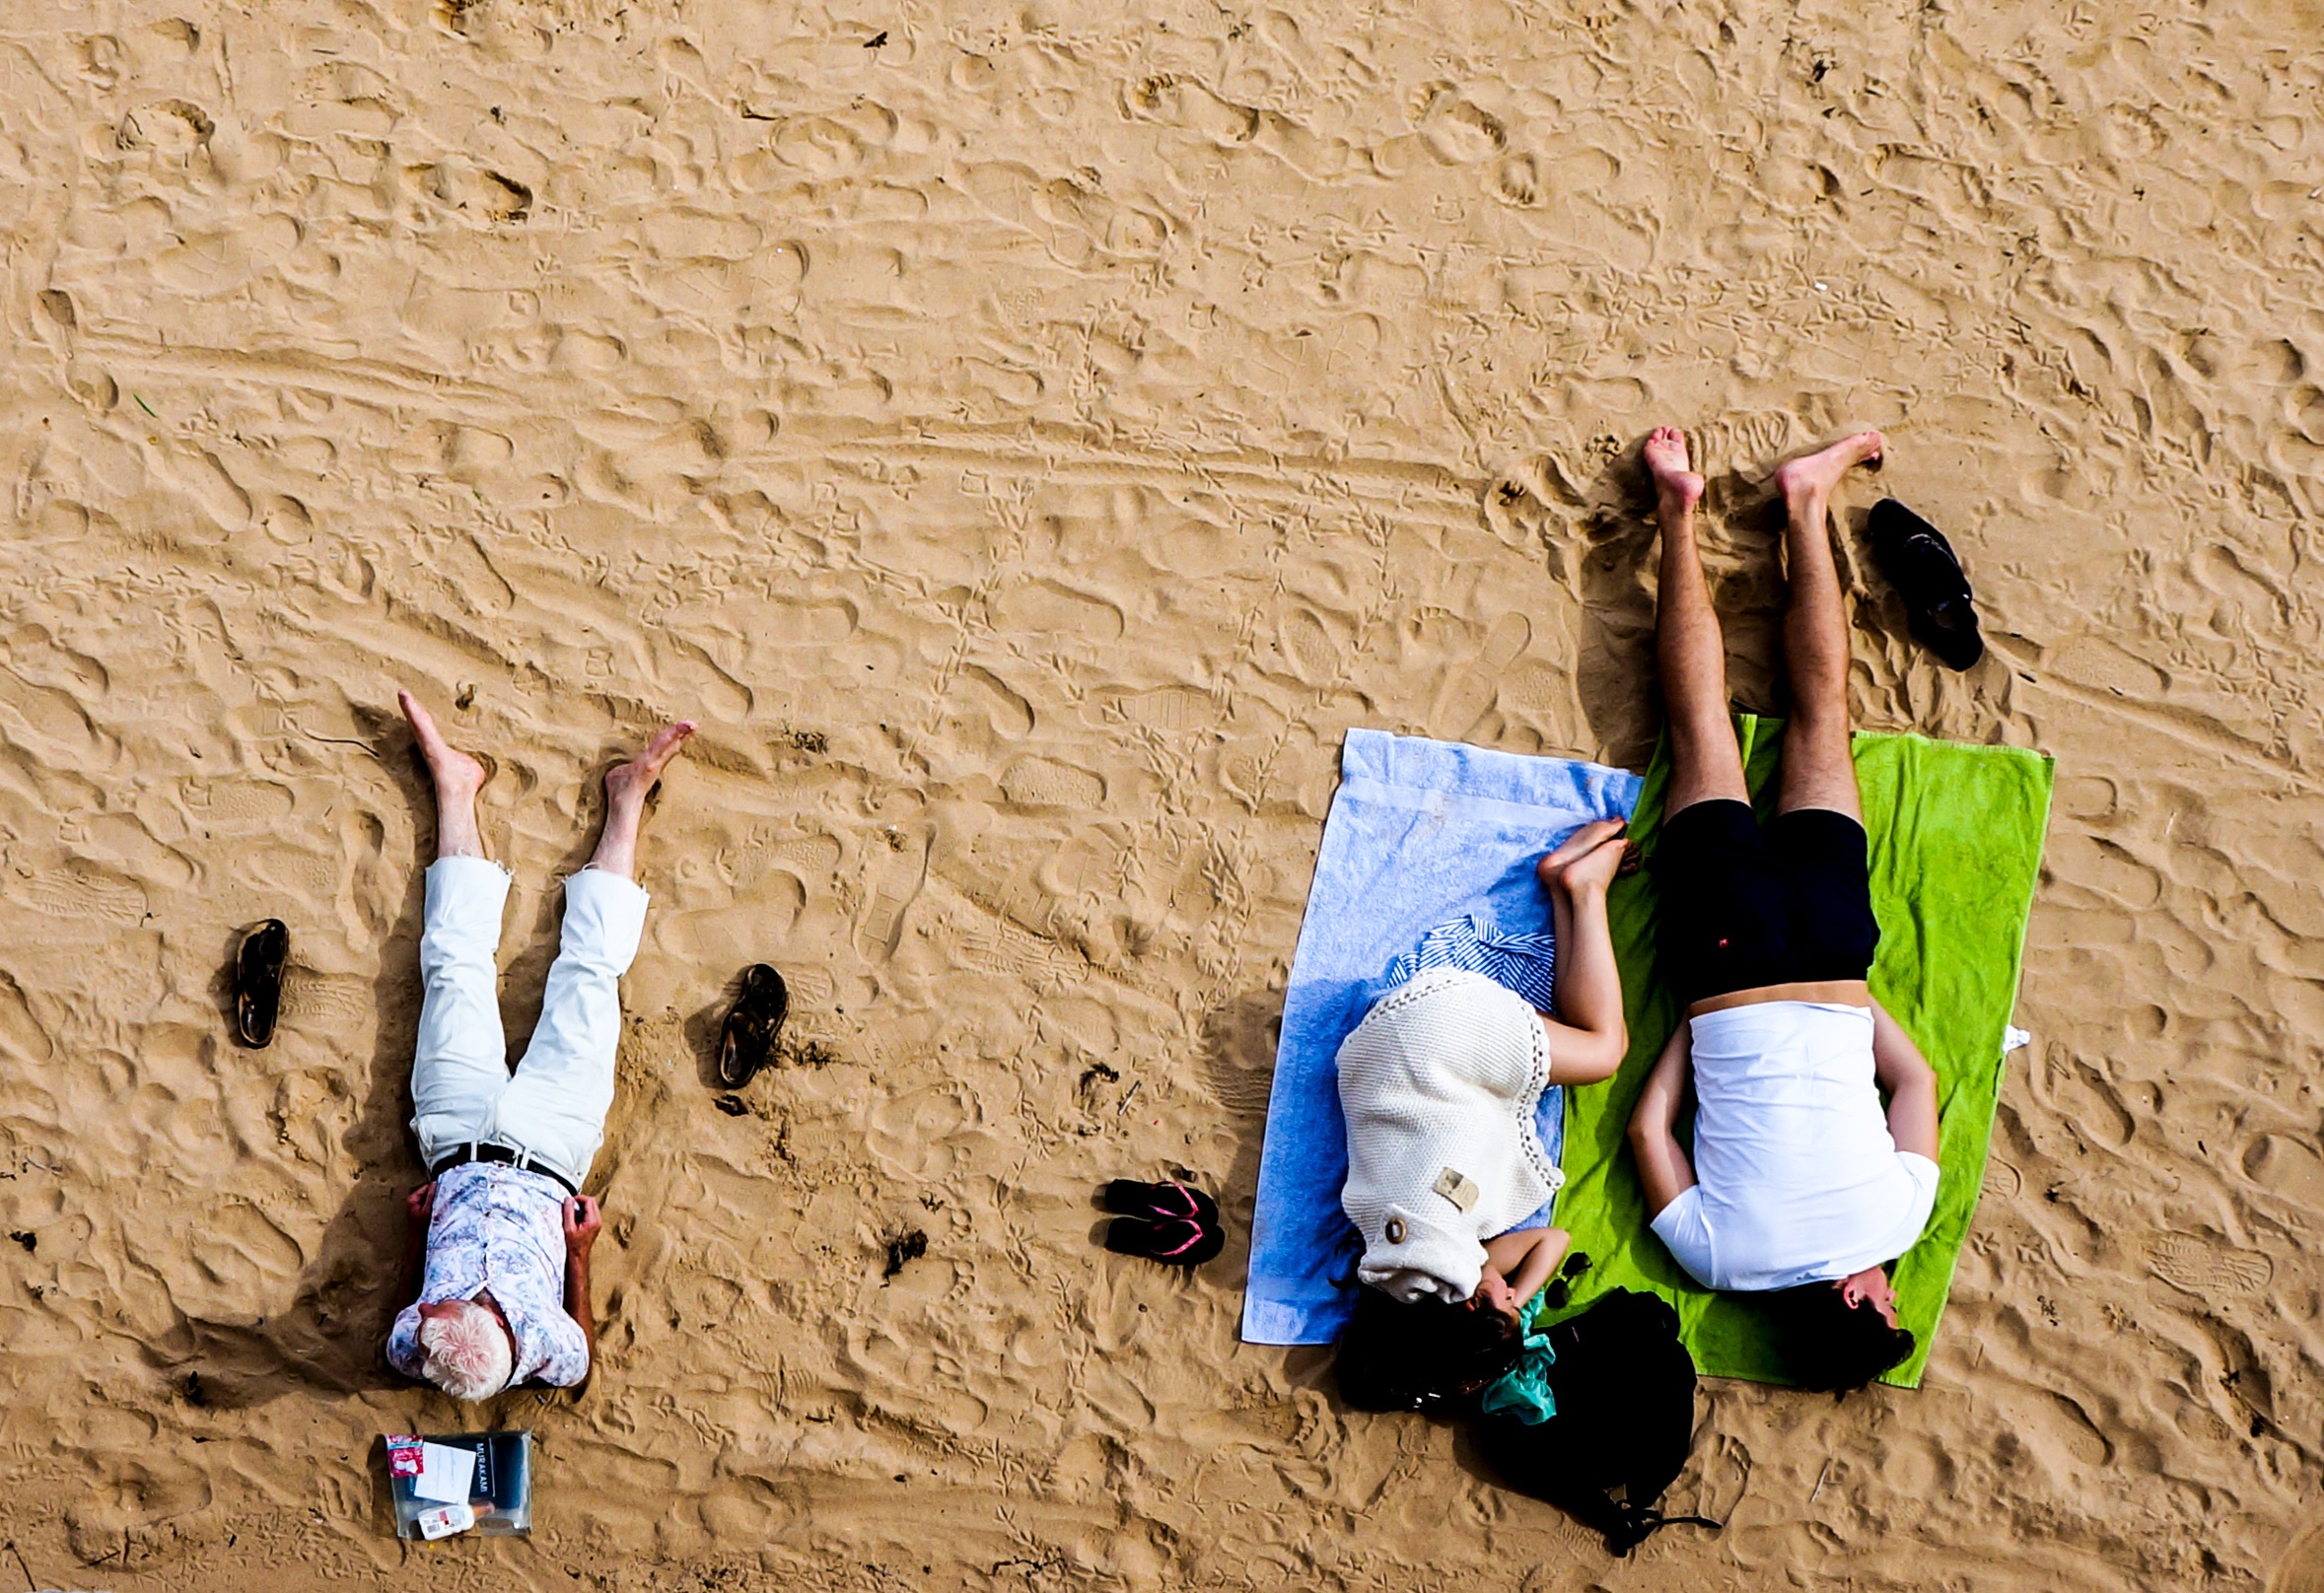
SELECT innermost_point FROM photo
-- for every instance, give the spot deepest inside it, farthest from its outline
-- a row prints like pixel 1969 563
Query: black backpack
pixel 1624 1387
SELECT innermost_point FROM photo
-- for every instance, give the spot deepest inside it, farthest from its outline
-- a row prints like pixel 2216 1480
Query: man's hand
pixel 418 1208
pixel 583 1219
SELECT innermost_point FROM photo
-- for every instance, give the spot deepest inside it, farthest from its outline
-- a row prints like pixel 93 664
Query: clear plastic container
pixel 500 1493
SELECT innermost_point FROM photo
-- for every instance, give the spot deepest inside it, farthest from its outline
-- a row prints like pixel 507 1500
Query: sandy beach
pixel 1028 438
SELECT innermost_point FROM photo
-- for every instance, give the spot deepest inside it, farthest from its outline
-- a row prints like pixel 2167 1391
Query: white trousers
pixel 461 1090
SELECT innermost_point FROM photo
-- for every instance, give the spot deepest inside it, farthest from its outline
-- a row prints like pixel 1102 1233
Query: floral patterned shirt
pixel 500 1228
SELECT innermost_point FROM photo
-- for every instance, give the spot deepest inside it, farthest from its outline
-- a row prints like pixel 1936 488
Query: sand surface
pixel 1028 438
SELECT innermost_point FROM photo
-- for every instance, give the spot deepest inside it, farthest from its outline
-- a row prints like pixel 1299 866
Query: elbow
pixel 1646 1128
pixel 1927 1086
pixel 1593 1062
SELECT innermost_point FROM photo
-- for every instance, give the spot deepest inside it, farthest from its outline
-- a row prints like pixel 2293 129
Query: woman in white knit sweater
pixel 1439 1085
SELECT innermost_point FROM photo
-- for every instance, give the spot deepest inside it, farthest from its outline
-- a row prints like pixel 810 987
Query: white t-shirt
pixel 1798 1180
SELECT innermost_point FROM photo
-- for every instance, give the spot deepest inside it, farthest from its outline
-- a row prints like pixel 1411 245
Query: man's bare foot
pixel 1816 474
pixel 1588 857
pixel 456 775
pixel 627 786
pixel 1677 486
pixel 633 780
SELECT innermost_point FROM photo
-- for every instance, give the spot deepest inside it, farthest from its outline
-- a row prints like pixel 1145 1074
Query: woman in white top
pixel 1800 1184
pixel 1439 1085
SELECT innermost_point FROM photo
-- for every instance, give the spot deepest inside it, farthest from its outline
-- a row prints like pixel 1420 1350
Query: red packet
pixel 403 1454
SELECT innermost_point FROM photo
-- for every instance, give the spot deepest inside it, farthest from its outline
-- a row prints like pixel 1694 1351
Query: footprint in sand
pixel 78 892
pixel 22 1038
pixel 1517 181
pixel 240 1258
pixel 332 999
pixel 2203 1267
pixel 1461 132
pixel 1472 693
pixel 1003 948
pixel 2058 1423
pixel 810 854
pixel 899 877
pixel 2285 1167
pixel 1170 709
pixel 1044 783
pixel 238 806
pixel 1307 645
pixel 126 1502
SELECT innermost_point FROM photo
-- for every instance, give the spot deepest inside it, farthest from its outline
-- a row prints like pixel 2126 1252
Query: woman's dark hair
pixel 1831 1346
pixel 1424 1355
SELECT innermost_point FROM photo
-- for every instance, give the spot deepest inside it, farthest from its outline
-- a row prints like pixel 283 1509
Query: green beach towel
pixel 1956 844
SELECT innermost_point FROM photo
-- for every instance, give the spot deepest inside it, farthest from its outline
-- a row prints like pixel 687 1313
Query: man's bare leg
pixel 458 779
pixel 1818 771
pixel 627 786
pixel 1705 762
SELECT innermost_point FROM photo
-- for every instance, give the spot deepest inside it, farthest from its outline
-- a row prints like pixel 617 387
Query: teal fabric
pixel 1956 842
pixel 1524 1390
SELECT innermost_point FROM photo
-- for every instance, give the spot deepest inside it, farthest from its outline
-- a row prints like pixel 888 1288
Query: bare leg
pixel 1587 986
pixel 1705 762
pixel 1818 771
pixel 458 778
pixel 627 786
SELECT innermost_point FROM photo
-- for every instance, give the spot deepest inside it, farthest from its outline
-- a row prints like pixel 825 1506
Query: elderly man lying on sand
pixel 501 1226
pixel 1799 1185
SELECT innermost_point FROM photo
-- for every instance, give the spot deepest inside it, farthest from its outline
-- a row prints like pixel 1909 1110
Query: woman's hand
pixel 1587 859
pixel 1526 1256
pixel 1494 1294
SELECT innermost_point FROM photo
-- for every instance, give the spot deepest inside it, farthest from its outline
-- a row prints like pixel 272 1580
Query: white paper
pixel 444 1474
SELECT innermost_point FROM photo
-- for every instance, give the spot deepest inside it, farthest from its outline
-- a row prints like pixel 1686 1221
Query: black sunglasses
pixel 1559 1292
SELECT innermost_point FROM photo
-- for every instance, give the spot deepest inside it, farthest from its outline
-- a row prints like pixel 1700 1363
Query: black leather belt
pixel 522 1160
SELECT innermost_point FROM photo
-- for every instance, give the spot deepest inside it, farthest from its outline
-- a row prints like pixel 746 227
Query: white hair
pixel 466 1352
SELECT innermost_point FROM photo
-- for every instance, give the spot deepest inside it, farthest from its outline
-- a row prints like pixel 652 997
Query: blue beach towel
pixel 1422 837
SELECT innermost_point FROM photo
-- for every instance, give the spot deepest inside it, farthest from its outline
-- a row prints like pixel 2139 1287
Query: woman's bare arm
pixel 1664 1169
pixel 1528 1257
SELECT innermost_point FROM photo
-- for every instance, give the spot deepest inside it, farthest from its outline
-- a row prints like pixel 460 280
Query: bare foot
pixel 1587 857
pixel 1816 474
pixel 1677 486
pixel 633 780
pixel 456 775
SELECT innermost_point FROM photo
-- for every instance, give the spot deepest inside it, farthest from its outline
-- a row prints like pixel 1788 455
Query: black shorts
pixel 1744 907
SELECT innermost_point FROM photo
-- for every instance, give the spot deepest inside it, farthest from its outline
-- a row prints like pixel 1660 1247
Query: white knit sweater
pixel 1439 1084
